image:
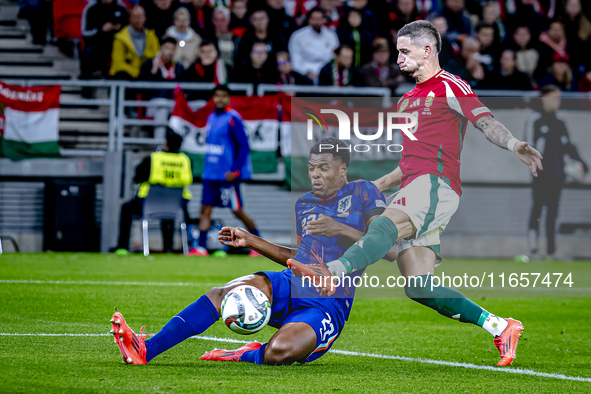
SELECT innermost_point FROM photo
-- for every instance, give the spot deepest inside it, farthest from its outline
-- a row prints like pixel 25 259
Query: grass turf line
pixel 556 339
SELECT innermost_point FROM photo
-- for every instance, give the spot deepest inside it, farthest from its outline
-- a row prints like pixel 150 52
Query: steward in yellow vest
pixel 168 168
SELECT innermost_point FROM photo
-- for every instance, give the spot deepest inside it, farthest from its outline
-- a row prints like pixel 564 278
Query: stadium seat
pixel 67 17
pixel 163 203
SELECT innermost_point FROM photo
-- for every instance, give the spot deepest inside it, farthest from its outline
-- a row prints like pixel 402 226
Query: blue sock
pixel 254 356
pixel 203 238
pixel 192 320
pixel 255 232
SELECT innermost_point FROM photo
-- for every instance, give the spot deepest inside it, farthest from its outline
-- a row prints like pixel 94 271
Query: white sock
pixel 495 325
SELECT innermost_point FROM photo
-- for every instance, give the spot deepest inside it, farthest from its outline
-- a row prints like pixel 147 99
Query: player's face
pixel 327 174
pixel 410 57
pixel 221 99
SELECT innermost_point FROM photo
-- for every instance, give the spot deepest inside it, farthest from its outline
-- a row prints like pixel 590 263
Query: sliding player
pixel 329 219
pixel 430 186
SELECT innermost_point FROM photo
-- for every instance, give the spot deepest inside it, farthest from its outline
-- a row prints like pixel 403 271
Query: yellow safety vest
pixel 169 170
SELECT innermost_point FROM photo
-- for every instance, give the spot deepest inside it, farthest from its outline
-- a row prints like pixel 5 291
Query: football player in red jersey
pixel 430 186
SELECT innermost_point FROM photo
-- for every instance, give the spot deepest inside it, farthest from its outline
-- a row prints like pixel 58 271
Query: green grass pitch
pixel 557 337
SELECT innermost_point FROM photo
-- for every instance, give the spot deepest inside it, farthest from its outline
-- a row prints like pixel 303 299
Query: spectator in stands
pixel 239 21
pixel 491 16
pixel 490 50
pixel 208 67
pixel 259 32
pixel 527 54
pixel 258 69
pixel 159 14
pixel 39 13
pixel 467 66
pixel 507 77
pixel 222 37
pixel 380 72
pixel 311 46
pixel 331 8
pixel 368 17
pixel 449 49
pixel 201 17
pixel 161 68
pixel 280 21
pixel 339 71
pixel 553 42
pixel 132 46
pixel 227 162
pixel 530 11
pixel 578 31
pixel 385 12
pixel 100 22
pixel 187 49
pixel 560 74
pixel 406 12
pixel 154 170
pixel 457 22
pixel 353 32
pixel 548 134
pixel 287 76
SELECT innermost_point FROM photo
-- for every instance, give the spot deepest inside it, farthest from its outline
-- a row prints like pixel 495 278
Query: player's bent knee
pixel 216 295
pixel 281 353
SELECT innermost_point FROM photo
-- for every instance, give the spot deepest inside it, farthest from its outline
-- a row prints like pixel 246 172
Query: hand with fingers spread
pixel 530 156
pixel 234 236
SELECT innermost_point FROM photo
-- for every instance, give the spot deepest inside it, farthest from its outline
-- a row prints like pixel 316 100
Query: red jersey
pixel 443 104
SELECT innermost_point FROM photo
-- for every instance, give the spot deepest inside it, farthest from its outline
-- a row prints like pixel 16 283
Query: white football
pixel 246 310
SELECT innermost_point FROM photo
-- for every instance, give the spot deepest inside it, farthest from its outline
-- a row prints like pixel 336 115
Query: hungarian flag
pixel 260 123
pixel 31 118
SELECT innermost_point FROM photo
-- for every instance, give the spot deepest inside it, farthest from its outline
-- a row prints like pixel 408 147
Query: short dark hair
pixel 549 89
pixel 223 88
pixel 338 49
pixel 205 43
pixel 167 39
pixel 483 26
pixel 421 29
pixel 339 149
pixel 510 50
pixel 173 140
pixel 316 9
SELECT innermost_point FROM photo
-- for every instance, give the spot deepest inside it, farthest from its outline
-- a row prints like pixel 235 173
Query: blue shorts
pixel 222 194
pixel 324 315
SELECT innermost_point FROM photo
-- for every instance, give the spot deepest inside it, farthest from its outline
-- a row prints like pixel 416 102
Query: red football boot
pixel 507 342
pixel 230 355
pixel 131 345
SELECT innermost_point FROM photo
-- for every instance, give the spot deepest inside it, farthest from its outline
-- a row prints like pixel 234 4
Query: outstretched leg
pixel 417 264
pixel 193 320
pixel 247 220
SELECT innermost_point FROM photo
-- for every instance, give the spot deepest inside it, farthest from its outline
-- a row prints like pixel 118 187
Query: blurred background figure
pixel 188 41
pixel 286 74
pixel 159 14
pixel 100 22
pixel 222 37
pixel 311 46
pixel 154 170
pixel 161 68
pixel 238 20
pixel 259 32
pixel 527 54
pixel 507 76
pixel 548 134
pixel 208 67
pixel 560 74
pixel 227 162
pixel 201 17
pixel 380 72
pixel 132 46
pixel 258 69
pixel 339 71
pixel 353 31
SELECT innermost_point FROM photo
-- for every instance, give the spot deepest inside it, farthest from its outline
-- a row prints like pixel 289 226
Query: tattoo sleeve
pixel 494 131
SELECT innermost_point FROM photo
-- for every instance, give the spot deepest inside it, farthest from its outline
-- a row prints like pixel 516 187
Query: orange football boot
pixel 230 355
pixel 507 342
pixel 131 345
pixel 318 273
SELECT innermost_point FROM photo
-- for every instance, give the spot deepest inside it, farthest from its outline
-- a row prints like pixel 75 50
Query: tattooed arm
pixel 497 133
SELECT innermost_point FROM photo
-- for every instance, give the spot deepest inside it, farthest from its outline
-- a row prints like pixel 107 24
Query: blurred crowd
pixel 500 44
